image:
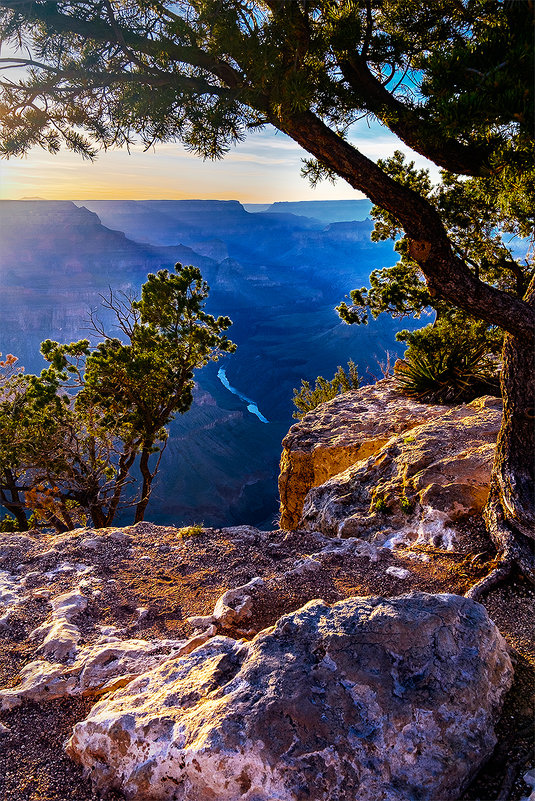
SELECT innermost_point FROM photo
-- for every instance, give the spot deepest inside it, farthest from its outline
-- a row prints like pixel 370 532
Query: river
pixel 251 405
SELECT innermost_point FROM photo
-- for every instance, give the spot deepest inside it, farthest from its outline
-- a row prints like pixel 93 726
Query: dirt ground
pixel 175 574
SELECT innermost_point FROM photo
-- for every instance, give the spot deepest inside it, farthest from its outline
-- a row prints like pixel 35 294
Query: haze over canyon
pixel 277 270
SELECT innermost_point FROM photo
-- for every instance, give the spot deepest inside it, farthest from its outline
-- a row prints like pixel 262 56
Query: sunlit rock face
pixel 418 486
pixel 339 433
pixel 368 699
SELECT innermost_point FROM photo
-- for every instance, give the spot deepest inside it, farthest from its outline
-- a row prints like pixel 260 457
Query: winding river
pixel 251 405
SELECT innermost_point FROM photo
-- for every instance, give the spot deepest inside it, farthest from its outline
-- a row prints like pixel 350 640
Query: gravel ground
pixel 174 574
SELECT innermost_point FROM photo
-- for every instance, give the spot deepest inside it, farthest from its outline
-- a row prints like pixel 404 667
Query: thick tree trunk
pixel 510 511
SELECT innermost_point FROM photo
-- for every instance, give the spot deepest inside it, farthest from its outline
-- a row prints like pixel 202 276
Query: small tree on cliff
pixel 69 439
pixel 452 79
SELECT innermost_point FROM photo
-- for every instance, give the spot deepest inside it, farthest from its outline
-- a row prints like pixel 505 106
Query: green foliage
pixel 70 438
pixel 381 506
pixel 477 215
pixel 452 374
pixel 406 505
pixel 307 398
pixel 191 531
pixel 8 524
pixel 453 360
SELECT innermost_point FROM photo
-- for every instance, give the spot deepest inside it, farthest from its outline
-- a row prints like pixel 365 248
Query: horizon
pixel 145 199
pixel 263 168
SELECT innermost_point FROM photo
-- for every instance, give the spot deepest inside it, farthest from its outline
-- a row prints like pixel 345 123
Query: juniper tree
pixel 451 79
pixel 71 437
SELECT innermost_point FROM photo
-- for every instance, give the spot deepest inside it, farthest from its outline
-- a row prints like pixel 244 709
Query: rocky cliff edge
pixel 239 664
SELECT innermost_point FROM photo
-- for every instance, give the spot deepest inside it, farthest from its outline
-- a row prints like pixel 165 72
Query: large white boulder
pixel 364 700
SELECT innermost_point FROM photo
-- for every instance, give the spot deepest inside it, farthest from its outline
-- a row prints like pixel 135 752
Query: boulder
pixel 366 699
pixel 415 487
pixel 335 435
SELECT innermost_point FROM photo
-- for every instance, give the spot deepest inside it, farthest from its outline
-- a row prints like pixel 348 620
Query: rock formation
pixel 348 469
pixel 337 434
pixel 367 699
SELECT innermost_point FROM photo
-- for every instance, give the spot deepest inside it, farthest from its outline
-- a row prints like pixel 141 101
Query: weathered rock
pixel 418 485
pixel 336 434
pixel 108 664
pixel 15 546
pixel 368 699
pixel 60 635
pixel 11 595
pixel 234 606
pixel 529 778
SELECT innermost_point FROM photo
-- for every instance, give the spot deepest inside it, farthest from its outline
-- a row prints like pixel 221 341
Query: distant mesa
pixel 36 197
pixel 327 211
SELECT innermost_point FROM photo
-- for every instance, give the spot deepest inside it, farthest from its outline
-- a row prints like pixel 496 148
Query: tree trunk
pixel 147 481
pixel 98 518
pixel 13 504
pixel 126 461
pixel 510 509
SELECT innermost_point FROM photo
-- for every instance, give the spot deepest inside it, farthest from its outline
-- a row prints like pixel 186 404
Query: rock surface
pixel 367 699
pixel 418 485
pixel 127 592
pixel 335 435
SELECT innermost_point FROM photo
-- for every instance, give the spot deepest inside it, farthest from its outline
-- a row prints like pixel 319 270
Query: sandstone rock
pixel 234 606
pixel 11 595
pixel 14 546
pixel 336 434
pixel 529 779
pixel 418 485
pixel 368 699
pixel 398 572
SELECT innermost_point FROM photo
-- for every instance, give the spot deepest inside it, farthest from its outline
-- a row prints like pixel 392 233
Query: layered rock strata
pixel 367 699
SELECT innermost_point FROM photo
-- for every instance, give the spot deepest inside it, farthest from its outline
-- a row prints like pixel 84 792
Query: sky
pixel 262 169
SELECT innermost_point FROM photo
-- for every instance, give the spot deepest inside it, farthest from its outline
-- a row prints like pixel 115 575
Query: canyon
pixel 278 274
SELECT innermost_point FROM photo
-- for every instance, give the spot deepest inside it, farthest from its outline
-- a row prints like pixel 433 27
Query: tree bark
pixel 446 274
pixel 510 510
pixel 147 482
pixel 13 504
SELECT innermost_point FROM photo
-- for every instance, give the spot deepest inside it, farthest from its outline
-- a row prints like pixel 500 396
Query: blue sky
pixel 262 169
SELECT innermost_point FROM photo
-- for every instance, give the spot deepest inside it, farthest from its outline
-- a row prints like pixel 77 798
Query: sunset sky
pixel 262 169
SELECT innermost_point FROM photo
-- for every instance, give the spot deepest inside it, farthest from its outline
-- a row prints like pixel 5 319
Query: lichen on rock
pixel 417 486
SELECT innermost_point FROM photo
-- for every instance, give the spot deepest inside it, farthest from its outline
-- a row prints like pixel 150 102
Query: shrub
pixel 191 531
pixel 451 361
pixel 305 399
pixel 380 505
pixel 405 505
pixel 8 524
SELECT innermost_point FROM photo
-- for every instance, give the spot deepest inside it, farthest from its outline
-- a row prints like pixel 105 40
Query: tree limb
pixel 410 125
pixel 446 274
